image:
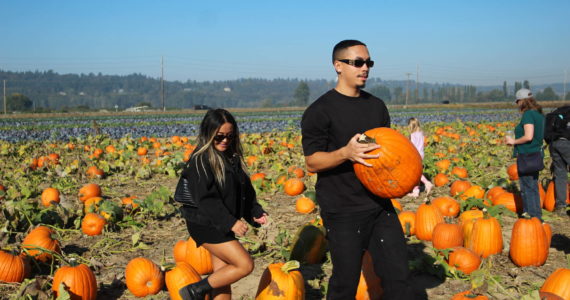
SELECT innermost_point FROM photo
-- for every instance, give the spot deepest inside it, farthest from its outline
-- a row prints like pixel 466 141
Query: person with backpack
pixel 557 136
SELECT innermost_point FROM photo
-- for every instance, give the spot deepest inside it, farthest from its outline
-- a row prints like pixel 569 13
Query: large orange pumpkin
pixel 13 268
pixel 447 235
pixel 427 217
pixel 143 277
pixel 486 238
pixel 281 281
pixel 558 283
pixel 398 168
pixel 198 257
pixel 41 237
pixel 528 243
pixel 79 281
pixel 180 276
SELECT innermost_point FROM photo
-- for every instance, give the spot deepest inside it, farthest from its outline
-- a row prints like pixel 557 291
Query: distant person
pixel 417 138
pixel 528 139
pixel 355 219
pixel 223 195
pixel 557 135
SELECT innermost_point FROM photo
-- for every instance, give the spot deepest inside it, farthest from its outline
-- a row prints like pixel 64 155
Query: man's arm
pixel 353 151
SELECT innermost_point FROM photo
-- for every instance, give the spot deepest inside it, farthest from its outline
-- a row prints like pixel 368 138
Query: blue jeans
pixel 530 195
pixel 560 153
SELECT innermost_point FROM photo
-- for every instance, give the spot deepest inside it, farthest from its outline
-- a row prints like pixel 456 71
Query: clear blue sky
pixel 469 42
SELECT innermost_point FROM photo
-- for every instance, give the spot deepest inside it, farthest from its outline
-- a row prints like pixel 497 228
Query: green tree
pixel 547 94
pixel 144 103
pixel 505 91
pixel 518 86
pixel 567 97
pixel 382 92
pixel 526 85
pixel 302 94
pixel 18 102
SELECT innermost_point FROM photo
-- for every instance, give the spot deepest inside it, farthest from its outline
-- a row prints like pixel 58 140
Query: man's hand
pixel 356 151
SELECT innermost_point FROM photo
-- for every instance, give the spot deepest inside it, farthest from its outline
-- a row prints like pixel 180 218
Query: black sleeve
pixel 314 128
pixel 208 196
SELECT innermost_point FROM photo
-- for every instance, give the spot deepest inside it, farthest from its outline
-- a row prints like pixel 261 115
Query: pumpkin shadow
pixel 424 273
pixel 112 291
pixel 560 242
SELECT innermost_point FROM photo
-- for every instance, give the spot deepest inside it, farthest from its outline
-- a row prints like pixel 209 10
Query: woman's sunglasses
pixel 218 138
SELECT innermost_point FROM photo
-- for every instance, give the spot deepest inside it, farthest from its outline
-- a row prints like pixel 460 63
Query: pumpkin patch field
pixel 87 211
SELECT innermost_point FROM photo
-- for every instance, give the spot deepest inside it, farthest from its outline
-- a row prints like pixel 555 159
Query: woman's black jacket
pixel 220 206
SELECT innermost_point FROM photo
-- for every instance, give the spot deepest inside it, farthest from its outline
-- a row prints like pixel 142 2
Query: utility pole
pixel 5 112
pixel 407 88
pixel 417 83
pixel 162 82
pixel 564 90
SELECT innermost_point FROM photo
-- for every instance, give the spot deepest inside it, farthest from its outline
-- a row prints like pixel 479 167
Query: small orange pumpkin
pixel 41 237
pixel 89 190
pixel 447 235
pixel 512 171
pixel 79 281
pixel 50 196
pixel 143 277
pixel 459 186
pixel 440 179
pixel 464 260
pixel 93 224
pixel 448 206
pixel 294 186
pixel 304 205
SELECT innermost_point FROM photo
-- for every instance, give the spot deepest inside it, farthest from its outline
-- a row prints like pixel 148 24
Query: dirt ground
pixel 113 252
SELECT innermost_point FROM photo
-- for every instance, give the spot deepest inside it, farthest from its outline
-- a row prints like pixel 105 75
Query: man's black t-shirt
pixel 327 125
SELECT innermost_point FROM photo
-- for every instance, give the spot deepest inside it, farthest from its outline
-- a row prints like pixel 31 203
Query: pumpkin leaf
pixel 62 293
pixel 135 238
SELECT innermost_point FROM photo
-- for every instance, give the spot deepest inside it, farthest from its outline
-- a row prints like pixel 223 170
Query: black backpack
pixel 557 124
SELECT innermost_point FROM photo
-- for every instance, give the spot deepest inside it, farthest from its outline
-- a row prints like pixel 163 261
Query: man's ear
pixel 337 66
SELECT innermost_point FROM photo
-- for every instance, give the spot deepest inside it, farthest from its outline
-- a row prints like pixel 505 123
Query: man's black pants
pixel 379 231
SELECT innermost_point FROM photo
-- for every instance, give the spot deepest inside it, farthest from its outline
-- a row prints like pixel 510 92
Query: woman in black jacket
pixel 223 195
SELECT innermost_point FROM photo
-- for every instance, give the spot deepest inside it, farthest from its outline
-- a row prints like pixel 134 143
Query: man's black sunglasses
pixel 218 138
pixel 358 62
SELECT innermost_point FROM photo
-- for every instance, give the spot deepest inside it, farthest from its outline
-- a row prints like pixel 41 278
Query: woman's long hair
pixel 213 120
pixel 530 103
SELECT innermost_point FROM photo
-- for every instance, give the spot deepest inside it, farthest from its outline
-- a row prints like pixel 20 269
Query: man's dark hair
pixel 338 48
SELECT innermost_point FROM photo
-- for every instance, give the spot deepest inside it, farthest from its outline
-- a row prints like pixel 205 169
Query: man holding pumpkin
pixel 355 219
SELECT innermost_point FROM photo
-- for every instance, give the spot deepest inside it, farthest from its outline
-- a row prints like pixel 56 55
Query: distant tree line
pixel 49 91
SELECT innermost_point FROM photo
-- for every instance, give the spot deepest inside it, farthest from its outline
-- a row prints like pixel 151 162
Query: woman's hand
pixel 261 220
pixel 240 228
pixel 509 141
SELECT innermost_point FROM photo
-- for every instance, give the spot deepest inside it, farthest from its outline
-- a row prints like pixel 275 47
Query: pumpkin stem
pixel 364 139
pixel 290 266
